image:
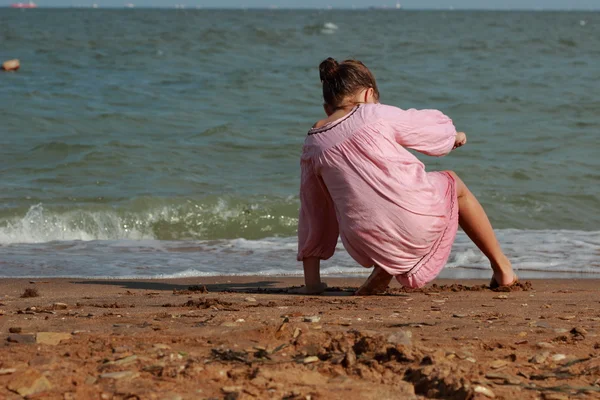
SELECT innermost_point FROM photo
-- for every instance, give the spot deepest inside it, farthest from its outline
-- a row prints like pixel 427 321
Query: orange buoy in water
pixel 11 65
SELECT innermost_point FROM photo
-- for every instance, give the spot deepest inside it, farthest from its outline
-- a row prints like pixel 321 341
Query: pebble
pixel 311 359
pixel 554 396
pixel 500 297
pixel 120 375
pixel 497 364
pixel 544 345
pixel 297 333
pixel 18 338
pixel 401 337
pixel 15 329
pixel 240 320
pixel 11 65
pixel 231 389
pixel 60 306
pixel 484 391
pixel 7 371
pixel 229 324
pixel 539 358
pixel 2 312
pixel 566 317
pixel 313 319
pixel 250 299
pixel 579 331
pixel 558 357
pixel 29 383
pixel 459 315
pixel 51 338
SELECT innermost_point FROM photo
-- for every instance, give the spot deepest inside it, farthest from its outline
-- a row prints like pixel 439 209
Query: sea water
pixel 166 143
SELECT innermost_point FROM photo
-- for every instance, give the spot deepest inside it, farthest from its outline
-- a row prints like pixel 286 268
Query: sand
pixel 247 338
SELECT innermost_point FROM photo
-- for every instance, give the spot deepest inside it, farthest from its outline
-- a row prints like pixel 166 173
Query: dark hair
pixel 343 80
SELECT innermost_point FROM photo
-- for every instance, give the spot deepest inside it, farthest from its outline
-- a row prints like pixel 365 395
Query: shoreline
pixel 243 337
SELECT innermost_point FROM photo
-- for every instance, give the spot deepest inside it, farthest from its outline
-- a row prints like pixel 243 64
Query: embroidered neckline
pixel 328 127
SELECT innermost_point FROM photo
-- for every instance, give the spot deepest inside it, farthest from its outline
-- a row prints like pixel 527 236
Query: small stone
pixel 313 319
pixel 7 371
pixel 554 396
pixel 539 358
pixel 544 345
pixel 497 364
pixel 17 338
pixel 161 346
pixel 229 324
pixel 297 333
pixel 240 320
pixel 311 359
pixel 471 359
pixel 231 389
pixel 15 330
pixel 558 357
pixel 126 360
pixel 402 337
pixel 90 380
pixel 459 315
pixel 120 375
pixel 560 331
pixel 2 312
pixel 500 297
pixel 11 65
pixel 566 317
pixel 51 338
pixel 250 299
pixel 579 331
pixel 60 306
pixel 28 383
pixel 484 391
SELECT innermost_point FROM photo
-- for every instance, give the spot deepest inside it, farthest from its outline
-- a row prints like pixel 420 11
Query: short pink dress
pixel 361 183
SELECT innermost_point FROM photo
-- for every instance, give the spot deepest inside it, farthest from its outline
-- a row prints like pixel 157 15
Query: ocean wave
pixel 533 254
pixel 152 218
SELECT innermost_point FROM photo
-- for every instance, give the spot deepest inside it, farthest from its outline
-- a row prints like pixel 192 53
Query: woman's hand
pixel 461 140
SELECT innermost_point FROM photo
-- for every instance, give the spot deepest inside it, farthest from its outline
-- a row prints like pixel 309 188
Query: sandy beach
pixel 247 338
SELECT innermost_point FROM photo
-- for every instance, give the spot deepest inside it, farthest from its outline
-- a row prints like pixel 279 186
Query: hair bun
pixel 328 69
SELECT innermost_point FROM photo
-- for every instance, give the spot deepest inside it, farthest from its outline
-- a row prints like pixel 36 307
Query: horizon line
pixel 279 8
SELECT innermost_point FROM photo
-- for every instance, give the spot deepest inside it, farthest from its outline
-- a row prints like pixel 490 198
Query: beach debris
pixel 544 345
pixel 120 375
pixel 312 319
pixel 7 371
pixel 484 391
pixel 498 364
pixel 28 383
pixel 578 333
pixel 401 337
pixel 59 306
pixel 51 338
pixel 566 317
pixel 30 292
pixel 23 339
pixel 539 358
pixel 15 329
pixel 554 396
pixel 310 359
pixel 11 65
pixel 231 389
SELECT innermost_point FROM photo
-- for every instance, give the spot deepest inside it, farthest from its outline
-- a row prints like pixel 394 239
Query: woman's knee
pixel 461 188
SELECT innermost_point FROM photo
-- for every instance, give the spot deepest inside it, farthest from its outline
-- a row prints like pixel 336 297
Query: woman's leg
pixel 376 283
pixel 474 221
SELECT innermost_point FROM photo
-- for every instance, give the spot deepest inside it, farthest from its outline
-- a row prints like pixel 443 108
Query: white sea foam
pixel 540 253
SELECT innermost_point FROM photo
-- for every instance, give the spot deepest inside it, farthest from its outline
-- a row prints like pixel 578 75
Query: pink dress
pixel 359 182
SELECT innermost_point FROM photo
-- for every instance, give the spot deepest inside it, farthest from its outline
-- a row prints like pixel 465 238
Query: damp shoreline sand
pixel 245 338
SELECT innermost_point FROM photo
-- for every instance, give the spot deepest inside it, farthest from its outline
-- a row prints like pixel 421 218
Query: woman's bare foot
pixel 377 283
pixel 313 289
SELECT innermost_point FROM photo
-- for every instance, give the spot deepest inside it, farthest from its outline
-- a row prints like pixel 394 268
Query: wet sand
pixel 247 338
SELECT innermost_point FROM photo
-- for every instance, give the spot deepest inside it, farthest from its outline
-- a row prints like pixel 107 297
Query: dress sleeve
pixel 427 131
pixel 318 229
